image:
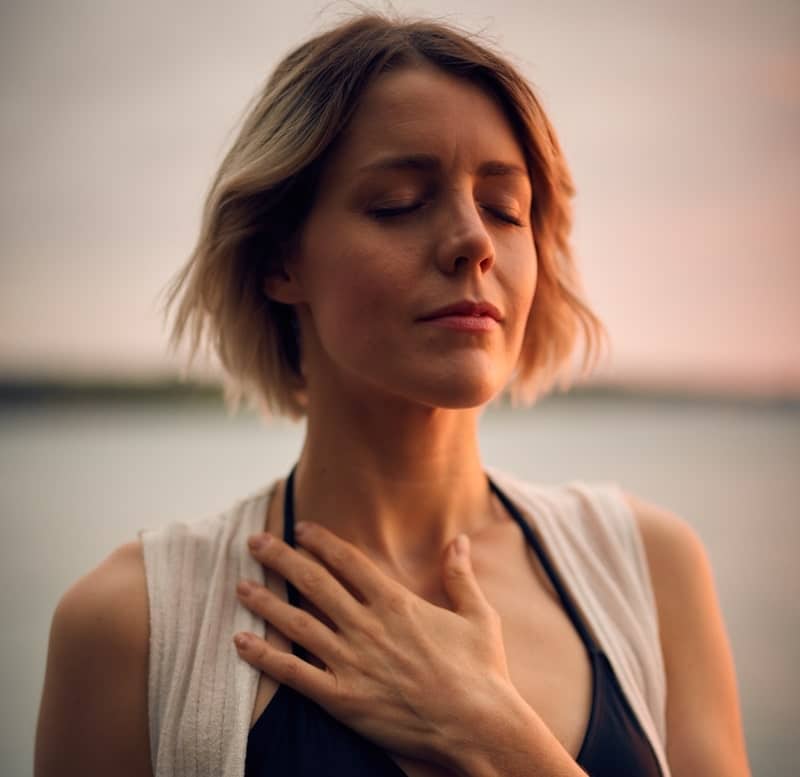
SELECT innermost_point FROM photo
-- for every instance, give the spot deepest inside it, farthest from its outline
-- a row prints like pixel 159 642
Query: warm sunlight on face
pixel 424 203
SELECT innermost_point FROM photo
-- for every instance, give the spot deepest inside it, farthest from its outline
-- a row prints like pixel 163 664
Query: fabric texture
pixel 201 695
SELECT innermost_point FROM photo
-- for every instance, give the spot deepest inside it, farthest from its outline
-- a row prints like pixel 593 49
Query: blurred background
pixel 682 125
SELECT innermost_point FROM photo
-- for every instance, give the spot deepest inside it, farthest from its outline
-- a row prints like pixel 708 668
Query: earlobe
pixel 282 287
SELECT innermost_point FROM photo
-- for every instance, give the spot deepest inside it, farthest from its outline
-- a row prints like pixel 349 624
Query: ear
pixel 283 286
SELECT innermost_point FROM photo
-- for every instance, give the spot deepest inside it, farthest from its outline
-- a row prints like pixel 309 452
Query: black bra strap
pixel 288 529
pixel 563 594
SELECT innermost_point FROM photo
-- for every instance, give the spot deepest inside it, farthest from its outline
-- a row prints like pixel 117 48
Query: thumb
pixel 459 579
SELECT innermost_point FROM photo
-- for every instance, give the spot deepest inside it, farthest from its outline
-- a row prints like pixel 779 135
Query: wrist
pixel 506 738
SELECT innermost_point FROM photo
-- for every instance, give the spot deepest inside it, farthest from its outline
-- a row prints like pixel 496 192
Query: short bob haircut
pixel 265 188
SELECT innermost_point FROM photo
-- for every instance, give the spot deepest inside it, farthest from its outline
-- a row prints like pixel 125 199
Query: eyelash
pixel 383 213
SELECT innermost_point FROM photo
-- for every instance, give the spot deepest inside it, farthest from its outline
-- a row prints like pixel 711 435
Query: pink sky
pixel 681 123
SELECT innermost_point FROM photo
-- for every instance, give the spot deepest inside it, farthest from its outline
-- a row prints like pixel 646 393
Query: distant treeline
pixel 27 392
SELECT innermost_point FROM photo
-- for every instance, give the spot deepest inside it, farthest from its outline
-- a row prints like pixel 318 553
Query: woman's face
pixel 425 202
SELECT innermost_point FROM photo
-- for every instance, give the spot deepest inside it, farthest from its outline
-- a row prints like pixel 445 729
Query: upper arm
pixel 704 728
pixel 93 714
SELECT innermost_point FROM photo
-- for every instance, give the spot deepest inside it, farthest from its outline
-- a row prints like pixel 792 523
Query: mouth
pixel 466 309
pixel 460 323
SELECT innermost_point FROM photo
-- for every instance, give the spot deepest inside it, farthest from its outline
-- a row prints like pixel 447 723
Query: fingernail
pixel 241 641
pixel 259 541
pixel 300 527
pixel 244 588
pixel 462 545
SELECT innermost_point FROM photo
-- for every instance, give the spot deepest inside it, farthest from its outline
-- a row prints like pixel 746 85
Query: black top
pixel 295 737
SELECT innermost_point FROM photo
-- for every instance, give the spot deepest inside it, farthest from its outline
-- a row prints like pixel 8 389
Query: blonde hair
pixel 265 187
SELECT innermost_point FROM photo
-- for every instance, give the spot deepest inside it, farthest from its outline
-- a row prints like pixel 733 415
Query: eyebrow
pixel 428 162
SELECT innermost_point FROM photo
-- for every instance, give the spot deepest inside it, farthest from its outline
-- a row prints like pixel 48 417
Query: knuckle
pixel 456 572
pixel 340 558
pixel 398 603
pixel 346 700
pixel 340 655
pixel 373 629
pixel 290 669
pixel 310 579
pixel 298 623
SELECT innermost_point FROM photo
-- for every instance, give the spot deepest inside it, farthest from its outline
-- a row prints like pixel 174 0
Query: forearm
pixel 509 740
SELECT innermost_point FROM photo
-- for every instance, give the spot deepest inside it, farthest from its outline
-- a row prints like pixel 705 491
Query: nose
pixel 464 240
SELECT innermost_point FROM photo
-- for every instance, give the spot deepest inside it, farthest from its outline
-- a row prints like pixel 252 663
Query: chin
pixel 453 385
pixel 459 393
pixel 466 398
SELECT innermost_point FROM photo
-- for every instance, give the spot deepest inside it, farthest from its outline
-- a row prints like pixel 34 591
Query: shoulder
pixel 109 603
pixel 662 529
pixel 668 539
pixel 702 699
pixel 102 620
pixel 680 573
pixel 678 563
pixel 96 666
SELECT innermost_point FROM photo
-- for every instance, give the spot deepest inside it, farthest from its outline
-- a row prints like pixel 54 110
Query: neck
pixel 398 481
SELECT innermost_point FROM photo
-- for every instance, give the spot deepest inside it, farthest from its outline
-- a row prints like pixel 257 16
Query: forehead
pixel 422 109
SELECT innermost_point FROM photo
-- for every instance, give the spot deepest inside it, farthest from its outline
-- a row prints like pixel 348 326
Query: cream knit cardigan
pixel 201 695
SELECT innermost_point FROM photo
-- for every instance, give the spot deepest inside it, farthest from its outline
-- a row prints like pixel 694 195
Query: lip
pixel 466 309
pixel 475 324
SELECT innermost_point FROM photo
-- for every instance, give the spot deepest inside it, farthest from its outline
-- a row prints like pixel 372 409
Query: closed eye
pixel 400 210
pixel 508 218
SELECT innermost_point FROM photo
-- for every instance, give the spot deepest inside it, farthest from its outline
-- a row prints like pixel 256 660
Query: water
pixel 77 482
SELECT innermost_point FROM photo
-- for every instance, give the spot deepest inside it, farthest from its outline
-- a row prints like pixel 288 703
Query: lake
pixel 78 480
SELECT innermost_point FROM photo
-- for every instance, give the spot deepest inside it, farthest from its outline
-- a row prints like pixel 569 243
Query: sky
pixel 681 123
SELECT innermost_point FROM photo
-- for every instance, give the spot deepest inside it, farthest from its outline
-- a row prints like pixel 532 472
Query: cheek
pixel 530 287
pixel 520 283
pixel 358 298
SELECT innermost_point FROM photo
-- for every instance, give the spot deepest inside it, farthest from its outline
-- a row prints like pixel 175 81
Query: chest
pixel 547 660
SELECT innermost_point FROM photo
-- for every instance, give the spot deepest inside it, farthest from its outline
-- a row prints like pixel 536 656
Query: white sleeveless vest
pixel 201 694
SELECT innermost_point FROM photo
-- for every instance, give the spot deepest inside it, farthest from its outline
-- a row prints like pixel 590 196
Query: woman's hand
pixel 412 677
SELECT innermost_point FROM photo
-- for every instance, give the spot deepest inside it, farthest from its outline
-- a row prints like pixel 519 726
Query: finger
pixel 286 668
pixel 315 582
pixel 348 562
pixel 459 579
pixel 296 624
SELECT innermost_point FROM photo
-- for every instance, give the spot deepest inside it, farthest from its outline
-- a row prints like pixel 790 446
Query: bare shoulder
pixel 110 601
pixel 93 715
pixel 104 616
pixel 680 571
pixel 672 545
pixel 702 699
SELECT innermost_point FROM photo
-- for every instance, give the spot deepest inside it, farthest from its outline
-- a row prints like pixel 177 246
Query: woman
pixel 385 250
